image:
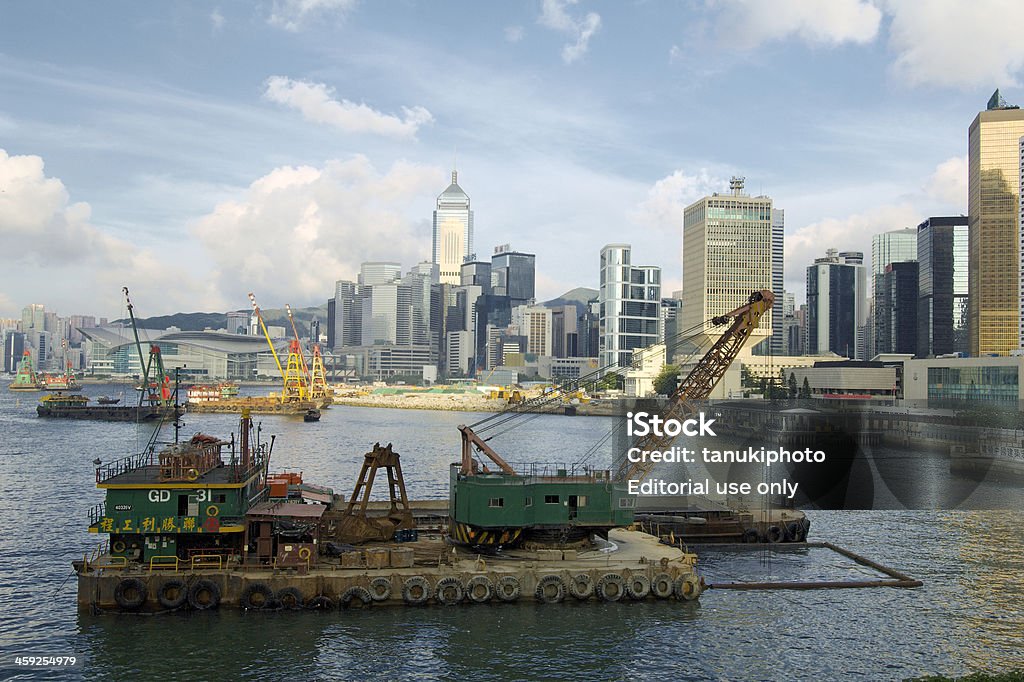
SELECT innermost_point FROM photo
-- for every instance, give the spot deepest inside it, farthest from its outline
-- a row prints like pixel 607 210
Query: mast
pixel 143 365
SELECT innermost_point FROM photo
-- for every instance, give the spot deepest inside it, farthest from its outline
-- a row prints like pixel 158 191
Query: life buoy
pixel 255 596
pixel 508 588
pixel 290 598
pixel 172 594
pixel 581 586
pixel 192 474
pixel 775 534
pixel 321 602
pixel 662 586
pixel 638 587
pixel 203 595
pixel 380 588
pixel 688 587
pixel 416 591
pixel 610 587
pixel 449 591
pixel 355 596
pixel 130 594
pixel 304 553
pixel 479 589
pixel 118 546
pixel 550 589
pixel 212 510
pixel 750 535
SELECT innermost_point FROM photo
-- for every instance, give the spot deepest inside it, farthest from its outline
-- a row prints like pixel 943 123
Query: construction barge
pixel 202 524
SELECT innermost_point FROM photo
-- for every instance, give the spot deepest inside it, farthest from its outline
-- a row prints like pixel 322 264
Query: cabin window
pixel 220 499
pixel 551 499
pixel 581 501
pixel 528 502
pixel 496 502
pixel 183 504
pixel 627 502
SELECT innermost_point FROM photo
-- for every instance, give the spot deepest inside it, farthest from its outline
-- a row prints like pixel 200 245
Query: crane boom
pixel 259 316
pixel 702 379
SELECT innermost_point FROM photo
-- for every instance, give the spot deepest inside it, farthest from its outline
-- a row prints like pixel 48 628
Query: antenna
pixel 736 185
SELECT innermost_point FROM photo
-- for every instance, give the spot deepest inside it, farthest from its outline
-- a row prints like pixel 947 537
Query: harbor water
pixel 969 616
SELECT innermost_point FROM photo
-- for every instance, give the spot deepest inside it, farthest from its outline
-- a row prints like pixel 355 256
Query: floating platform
pixel 112 413
pixel 254 404
pixel 634 566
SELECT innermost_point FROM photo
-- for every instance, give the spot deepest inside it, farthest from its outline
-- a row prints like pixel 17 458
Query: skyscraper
pixel 630 300
pixel 513 274
pixel 453 231
pixel 896 294
pixel 994 228
pixel 942 286
pixel 727 254
pixel 895 246
pixel 836 303
pixel 778 279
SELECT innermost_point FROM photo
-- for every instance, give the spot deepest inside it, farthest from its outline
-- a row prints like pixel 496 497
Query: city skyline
pixel 197 152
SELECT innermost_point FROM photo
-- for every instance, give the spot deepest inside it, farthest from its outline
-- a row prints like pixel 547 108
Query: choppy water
pixel 968 616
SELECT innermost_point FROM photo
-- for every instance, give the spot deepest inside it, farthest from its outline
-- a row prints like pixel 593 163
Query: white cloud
pixel 298 229
pixel 949 183
pixel 554 16
pixel 666 199
pixel 514 34
pixel 749 23
pixel 852 233
pixel 315 102
pixel 961 44
pixel 42 230
pixel 291 14
pixel 217 19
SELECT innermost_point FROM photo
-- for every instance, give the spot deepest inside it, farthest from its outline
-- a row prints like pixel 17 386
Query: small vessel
pixel 312 415
pixel 26 379
pixel 107 400
pixel 61 406
pixel 61 382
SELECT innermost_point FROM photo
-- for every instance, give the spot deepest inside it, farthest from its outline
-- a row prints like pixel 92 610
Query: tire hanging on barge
pixel 550 589
pixel 172 594
pixel 638 587
pixel 203 595
pixel 130 594
pixel 290 598
pixel 509 588
pixel 356 596
pixel 610 587
pixel 479 589
pixel 255 597
pixel 416 591
pixel 662 586
pixel 449 591
pixel 380 588
pixel 581 586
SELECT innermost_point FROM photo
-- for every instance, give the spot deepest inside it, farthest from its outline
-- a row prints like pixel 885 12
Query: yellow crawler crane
pixel 295 384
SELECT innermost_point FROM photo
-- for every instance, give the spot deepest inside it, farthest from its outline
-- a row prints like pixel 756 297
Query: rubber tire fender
pixel 794 531
pixel 420 583
pixel 610 587
pixel 171 603
pixel 663 586
pixel 449 591
pixel 542 592
pixel 290 598
pixel 123 594
pixel 508 588
pixel 687 587
pixel 638 587
pixel 581 586
pixel 251 590
pixel 195 595
pixel 380 588
pixel 321 602
pixel 477 596
pixel 750 536
pixel 775 534
pixel 355 593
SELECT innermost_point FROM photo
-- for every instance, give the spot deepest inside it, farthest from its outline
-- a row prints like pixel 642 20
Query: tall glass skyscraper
pixel 942 286
pixel 453 231
pixel 836 302
pixel 993 191
pixel 630 305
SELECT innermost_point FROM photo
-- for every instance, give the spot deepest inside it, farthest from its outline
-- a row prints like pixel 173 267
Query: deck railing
pixel 122 466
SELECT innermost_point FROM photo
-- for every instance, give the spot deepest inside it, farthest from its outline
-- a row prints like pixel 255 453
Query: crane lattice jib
pixel 702 379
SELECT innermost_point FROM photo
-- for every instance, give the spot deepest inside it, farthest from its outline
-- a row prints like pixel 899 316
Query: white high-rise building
pixel 630 305
pixel 453 232
pixel 778 279
pixel 727 255
pixel 534 322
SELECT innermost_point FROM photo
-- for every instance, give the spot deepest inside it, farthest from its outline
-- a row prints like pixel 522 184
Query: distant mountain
pixel 577 297
pixel 197 322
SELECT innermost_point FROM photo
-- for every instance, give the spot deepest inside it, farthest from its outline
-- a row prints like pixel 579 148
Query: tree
pixel 805 390
pixel 667 380
pixel 792 386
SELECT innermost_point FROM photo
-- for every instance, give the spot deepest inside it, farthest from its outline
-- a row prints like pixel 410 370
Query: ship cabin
pixel 549 503
pixel 61 400
pixel 184 505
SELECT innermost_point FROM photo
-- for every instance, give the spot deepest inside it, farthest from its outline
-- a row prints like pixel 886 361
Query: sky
pixel 197 151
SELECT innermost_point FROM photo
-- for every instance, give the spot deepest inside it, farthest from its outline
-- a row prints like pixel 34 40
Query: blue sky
pixel 198 151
